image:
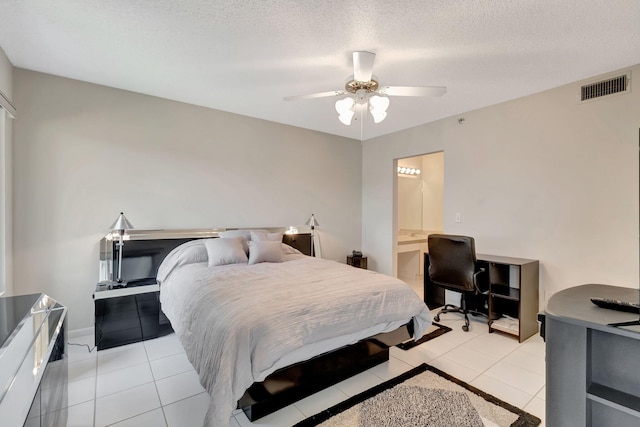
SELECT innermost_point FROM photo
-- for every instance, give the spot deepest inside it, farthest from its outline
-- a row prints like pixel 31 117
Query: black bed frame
pixel 295 382
pixel 303 379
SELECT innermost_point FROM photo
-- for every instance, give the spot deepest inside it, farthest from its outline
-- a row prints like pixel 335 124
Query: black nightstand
pixel 360 262
pixel 127 315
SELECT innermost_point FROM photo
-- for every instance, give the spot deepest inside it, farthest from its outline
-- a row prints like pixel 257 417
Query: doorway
pixel 419 212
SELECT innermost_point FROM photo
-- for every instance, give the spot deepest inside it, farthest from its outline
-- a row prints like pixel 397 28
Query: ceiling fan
pixel 363 92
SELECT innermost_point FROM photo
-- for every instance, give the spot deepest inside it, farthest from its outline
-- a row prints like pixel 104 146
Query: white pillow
pixel 190 252
pixel 260 235
pixel 193 254
pixel 244 234
pixel 235 233
pixel 223 251
pixel 265 251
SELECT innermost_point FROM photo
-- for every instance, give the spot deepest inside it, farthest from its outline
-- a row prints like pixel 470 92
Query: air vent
pixel 610 86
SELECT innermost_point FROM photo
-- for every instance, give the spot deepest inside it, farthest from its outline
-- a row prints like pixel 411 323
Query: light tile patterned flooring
pixel 153 384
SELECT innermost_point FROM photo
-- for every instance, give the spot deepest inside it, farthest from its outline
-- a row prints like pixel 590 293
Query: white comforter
pixel 238 323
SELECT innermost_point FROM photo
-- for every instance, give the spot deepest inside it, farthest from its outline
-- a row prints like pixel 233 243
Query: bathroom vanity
pixel 410 249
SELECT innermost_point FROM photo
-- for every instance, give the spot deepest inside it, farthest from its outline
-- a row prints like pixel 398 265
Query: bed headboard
pixel 144 250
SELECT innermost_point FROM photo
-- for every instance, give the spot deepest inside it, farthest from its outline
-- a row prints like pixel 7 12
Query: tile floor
pixel 153 384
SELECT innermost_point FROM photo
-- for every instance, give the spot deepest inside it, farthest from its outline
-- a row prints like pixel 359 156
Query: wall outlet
pixel 458 217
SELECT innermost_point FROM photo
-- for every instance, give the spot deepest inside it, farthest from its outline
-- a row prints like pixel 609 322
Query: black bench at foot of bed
pixel 295 382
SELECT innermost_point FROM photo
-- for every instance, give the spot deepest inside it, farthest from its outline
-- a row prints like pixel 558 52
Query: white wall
pixel 538 177
pixel 6 193
pixel 6 75
pixel 433 191
pixel 83 153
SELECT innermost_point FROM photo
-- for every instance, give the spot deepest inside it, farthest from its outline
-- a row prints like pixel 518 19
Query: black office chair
pixel 453 266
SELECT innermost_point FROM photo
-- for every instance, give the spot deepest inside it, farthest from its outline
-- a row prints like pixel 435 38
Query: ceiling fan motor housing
pixel 353 86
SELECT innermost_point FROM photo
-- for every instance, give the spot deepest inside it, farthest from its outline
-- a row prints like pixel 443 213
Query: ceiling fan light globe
pixel 378 116
pixel 345 118
pixel 345 105
pixel 379 103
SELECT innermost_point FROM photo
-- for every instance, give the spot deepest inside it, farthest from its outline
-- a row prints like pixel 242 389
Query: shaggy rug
pixel 434 331
pixel 422 397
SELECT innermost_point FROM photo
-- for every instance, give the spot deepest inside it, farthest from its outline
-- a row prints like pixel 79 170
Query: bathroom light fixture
pixel 408 171
pixel 120 227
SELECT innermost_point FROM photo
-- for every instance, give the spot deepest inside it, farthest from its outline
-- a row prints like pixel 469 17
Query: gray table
pixel 592 369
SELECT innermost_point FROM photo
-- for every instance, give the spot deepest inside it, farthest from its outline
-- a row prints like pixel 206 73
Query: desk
pixel 512 296
pixel 409 252
pixel 592 374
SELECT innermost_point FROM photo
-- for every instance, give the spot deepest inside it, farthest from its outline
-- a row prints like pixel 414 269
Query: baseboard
pixel 80 332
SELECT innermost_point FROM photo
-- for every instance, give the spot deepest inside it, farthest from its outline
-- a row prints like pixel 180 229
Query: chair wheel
pixel 436 318
pixel 465 328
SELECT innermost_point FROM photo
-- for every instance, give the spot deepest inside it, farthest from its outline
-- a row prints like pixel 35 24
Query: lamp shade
pixel 121 224
pixel 312 221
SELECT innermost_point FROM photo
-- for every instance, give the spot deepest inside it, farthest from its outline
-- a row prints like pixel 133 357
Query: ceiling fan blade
pixel 363 66
pixel 413 90
pixel 315 95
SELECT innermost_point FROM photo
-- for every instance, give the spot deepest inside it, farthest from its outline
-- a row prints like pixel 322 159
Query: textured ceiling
pixel 245 56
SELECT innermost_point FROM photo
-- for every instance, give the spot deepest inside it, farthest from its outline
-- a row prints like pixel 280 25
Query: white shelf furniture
pixel 592 373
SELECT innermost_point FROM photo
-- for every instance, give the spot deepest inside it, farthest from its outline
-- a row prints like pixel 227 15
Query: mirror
pixel 421 195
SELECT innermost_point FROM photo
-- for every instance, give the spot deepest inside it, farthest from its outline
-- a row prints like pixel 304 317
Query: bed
pixel 255 315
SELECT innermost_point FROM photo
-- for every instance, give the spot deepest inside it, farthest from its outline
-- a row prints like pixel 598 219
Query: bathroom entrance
pixel 420 212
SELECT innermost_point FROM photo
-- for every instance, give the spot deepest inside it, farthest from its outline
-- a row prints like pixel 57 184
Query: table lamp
pixel 121 225
pixel 313 223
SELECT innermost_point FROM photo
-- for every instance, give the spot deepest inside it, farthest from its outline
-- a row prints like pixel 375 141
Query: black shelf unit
pixel 512 296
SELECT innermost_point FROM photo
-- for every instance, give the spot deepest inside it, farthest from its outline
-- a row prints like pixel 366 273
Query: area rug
pixel 434 331
pixel 422 397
